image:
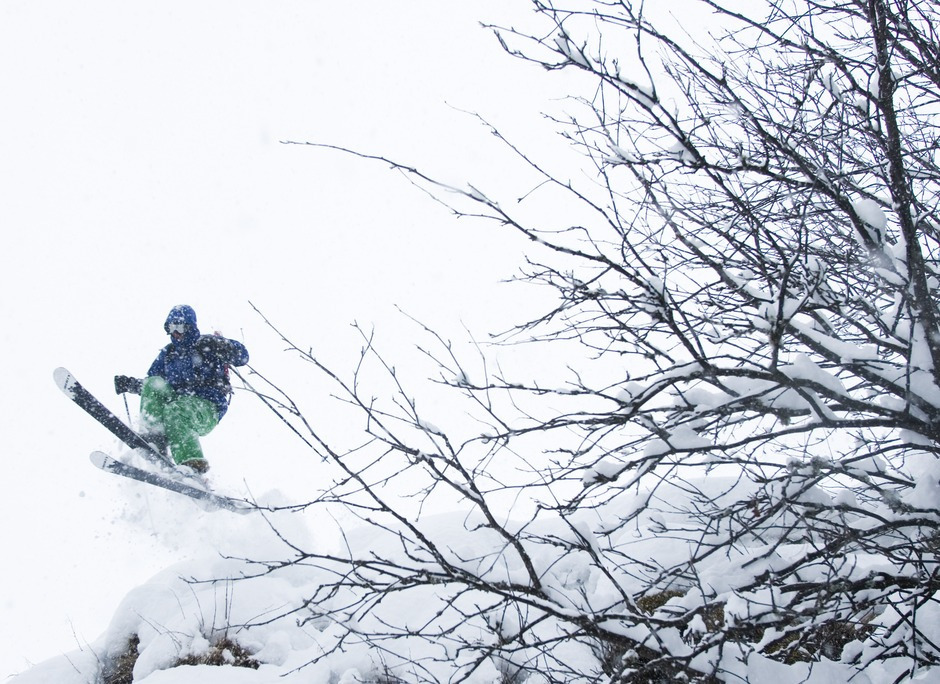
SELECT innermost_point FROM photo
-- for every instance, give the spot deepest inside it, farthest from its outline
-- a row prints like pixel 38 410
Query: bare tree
pixel 742 465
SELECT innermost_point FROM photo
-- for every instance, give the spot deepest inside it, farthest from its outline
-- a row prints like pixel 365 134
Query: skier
pixel 186 391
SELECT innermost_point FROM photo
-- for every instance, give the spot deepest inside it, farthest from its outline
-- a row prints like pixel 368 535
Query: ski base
pixel 112 465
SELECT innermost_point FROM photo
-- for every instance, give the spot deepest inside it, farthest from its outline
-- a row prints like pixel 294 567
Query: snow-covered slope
pixel 182 609
pixel 249 592
pixel 234 587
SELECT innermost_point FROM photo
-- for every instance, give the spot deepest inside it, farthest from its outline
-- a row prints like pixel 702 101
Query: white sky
pixel 140 167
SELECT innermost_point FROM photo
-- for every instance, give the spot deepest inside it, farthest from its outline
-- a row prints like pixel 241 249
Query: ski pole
pixel 127 409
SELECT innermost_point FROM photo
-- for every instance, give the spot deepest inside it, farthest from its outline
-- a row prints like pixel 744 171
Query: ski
pixel 112 465
pixel 81 396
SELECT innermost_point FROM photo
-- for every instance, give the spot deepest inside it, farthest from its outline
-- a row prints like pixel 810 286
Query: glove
pixel 125 383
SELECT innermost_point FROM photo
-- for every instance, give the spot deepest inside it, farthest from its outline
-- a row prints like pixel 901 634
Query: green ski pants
pixel 184 418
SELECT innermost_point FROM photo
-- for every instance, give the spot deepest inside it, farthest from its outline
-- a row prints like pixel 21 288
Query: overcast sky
pixel 142 166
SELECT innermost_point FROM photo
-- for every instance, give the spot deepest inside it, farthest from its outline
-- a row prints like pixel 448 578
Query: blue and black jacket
pixel 198 364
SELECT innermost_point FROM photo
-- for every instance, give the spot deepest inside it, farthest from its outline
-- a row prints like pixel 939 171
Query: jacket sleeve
pixel 238 353
pixel 229 352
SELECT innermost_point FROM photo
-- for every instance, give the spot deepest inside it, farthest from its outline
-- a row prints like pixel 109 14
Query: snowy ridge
pixel 248 584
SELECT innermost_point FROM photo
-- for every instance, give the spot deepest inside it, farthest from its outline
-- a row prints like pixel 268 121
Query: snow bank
pixel 245 581
pixel 182 610
pixel 236 586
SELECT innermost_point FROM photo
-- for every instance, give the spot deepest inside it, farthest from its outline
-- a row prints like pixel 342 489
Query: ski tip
pixel 99 458
pixel 63 379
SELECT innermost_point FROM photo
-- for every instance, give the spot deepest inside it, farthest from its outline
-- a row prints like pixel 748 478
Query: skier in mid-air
pixel 187 390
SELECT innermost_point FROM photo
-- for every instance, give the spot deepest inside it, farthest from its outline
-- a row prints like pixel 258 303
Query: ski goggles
pixel 176 328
